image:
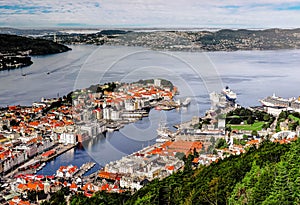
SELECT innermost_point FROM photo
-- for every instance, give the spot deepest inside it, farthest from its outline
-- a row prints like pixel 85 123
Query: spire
pixel 54 38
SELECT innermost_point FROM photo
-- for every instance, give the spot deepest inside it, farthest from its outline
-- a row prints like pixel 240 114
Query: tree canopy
pixel 267 175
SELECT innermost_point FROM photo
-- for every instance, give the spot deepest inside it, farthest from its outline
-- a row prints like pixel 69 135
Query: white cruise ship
pixel 275 101
pixel 229 94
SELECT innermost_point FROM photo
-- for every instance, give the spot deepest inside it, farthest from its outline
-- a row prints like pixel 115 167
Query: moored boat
pixel 186 102
pixel 229 94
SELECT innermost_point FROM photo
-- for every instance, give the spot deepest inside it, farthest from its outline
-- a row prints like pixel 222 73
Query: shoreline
pixel 58 118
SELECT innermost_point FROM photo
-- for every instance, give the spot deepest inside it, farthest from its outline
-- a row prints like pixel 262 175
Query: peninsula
pixel 15 50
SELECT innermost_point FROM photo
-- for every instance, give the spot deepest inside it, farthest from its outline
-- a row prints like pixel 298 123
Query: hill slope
pixel 14 44
pixel 268 175
pixel 15 50
pixel 262 176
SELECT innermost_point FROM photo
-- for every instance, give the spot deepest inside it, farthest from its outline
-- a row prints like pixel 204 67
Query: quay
pixel 59 150
pixel 84 168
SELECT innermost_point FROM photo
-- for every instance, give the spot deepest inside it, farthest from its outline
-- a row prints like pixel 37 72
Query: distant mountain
pixel 27 32
pixel 221 40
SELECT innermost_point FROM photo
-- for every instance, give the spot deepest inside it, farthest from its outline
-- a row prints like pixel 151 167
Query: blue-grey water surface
pixel 252 74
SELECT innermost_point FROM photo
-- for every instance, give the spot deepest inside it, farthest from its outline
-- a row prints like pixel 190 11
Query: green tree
pixel 4 127
pixel 195 153
pixel 283 115
pixel 58 198
pixel 282 189
pixel 221 143
pixel 266 117
pixel 250 120
pixel 228 128
pixel 188 163
pixel 243 191
pixel 212 140
pixel 180 155
pixel 254 133
pixel 263 186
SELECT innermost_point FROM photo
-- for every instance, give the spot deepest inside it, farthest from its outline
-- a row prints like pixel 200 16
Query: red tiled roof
pixel 73 186
pixel 48 153
pixel 195 160
pixel 170 168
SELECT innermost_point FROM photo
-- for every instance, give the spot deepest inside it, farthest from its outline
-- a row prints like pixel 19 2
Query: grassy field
pixel 255 126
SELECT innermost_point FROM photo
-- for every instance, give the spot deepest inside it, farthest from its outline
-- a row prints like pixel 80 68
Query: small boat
pixel 162 139
pixel 164 107
pixel 167 108
pixel 113 127
pixel 41 166
pixel 158 108
pixel 163 130
pixel 186 102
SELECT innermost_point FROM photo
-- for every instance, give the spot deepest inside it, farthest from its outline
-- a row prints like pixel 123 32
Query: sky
pixel 150 13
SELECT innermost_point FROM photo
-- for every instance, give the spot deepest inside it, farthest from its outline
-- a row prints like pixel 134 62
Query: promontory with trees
pixel 15 51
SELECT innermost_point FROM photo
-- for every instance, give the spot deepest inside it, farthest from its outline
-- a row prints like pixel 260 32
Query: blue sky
pixel 150 13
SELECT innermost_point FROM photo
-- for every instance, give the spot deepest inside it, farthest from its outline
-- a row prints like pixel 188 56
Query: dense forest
pixel 269 174
pixel 15 44
pixel 15 50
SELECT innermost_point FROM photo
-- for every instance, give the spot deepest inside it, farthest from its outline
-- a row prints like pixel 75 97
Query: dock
pixel 84 168
pixel 60 150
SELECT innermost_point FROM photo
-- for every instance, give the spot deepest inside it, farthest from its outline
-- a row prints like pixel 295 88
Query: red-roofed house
pixel 73 187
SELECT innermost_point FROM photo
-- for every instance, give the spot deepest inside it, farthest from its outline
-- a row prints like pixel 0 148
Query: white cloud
pixel 180 13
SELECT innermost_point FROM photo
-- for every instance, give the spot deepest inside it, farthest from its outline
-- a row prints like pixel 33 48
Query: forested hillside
pixel 263 176
pixel 267 175
pixel 15 44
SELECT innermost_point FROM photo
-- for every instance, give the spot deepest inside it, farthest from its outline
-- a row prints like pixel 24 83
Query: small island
pixel 15 51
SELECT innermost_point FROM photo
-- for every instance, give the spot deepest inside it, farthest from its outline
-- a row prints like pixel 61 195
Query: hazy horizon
pixel 137 14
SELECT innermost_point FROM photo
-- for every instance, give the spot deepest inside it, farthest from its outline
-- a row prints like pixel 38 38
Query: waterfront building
pixel 67 138
pixel 157 82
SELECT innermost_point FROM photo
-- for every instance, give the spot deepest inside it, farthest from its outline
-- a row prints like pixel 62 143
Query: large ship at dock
pixel 225 99
pixel 163 133
pixel 276 101
pixel 229 94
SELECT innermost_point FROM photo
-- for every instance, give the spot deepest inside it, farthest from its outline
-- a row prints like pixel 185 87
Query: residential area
pixel 32 136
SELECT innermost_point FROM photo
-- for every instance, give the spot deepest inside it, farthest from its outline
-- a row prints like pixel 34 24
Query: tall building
pixel 157 82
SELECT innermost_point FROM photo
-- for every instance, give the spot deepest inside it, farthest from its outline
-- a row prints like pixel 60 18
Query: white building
pixel 115 115
pixel 107 113
pixel 157 82
pixel 129 105
pixel 67 138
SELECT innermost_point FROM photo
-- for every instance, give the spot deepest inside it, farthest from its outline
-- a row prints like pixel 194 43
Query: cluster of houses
pixel 123 103
pixel 157 161
pixel 26 132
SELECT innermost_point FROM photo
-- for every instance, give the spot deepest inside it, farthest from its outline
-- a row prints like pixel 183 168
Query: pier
pixel 84 168
pixel 59 150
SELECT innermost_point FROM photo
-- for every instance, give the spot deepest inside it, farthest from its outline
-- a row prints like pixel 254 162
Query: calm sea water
pixel 252 74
